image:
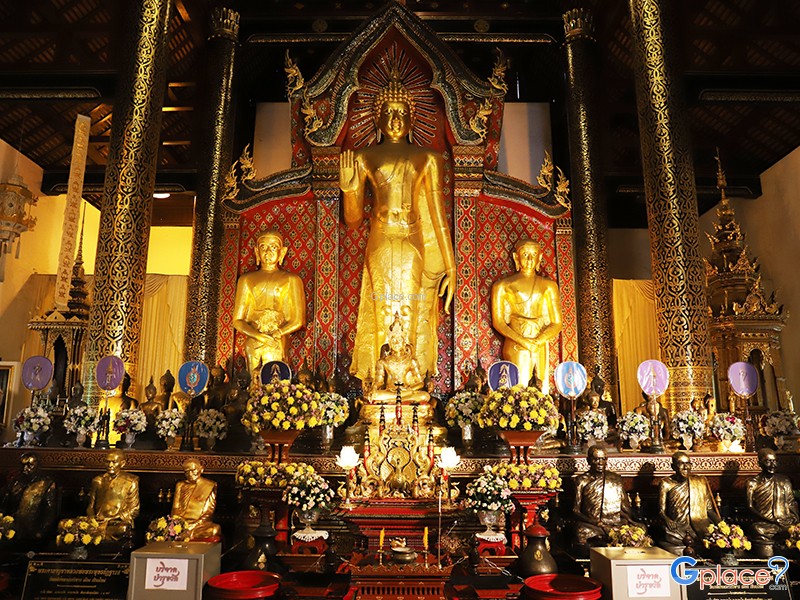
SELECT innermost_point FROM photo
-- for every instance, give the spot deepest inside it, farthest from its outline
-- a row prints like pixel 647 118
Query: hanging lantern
pixel 15 218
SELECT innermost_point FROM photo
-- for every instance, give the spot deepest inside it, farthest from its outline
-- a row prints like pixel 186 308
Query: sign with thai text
pixel 76 580
pixel 166 574
pixel 648 581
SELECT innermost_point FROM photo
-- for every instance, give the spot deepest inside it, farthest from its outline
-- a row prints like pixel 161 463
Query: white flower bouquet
pixel 780 422
pixel 334 409
pixel 463 408
pixel 82 420
pixel 592 424
pixel 33 419
pixel 308 491
pixel 130 421
pixel 489 492
pixel 725 426
pixel 687 423
pixel 170 423
pixel 211 423
pixel 634 426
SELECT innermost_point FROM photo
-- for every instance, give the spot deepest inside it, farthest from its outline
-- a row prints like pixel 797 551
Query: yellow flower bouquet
pixel 519 408
pixel 165 529
pixel 723 536
pixel 524 478
pixel 80 531
pixel 629 536
pixel 7 530
pixel 282 405
pixel 793 539
pixel 265 474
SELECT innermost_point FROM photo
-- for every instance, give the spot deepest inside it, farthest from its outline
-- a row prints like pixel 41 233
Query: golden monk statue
pixel 398 365
pixel 270 303
pixel 114 498
pixel 195 501
pixel 409 261
pixel 772 504
pixel 31 499
pixel 686 506
pixel 526 310
pixel 601 503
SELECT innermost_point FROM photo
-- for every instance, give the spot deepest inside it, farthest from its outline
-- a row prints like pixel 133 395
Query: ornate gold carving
pixel 578 23
pixel 478 122
pixel 558 186
pixel 310 118
pixel 230 186
pixel 224 23
pixel 247 166
pixel 756 303
pixel 294 78
pixel 498 77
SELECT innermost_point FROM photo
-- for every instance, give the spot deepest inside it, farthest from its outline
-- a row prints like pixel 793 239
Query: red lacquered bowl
pixel 244 585
pixel 562 587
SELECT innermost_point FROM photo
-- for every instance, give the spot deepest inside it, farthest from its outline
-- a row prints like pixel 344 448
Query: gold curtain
pixel 163 323
pixel 635 334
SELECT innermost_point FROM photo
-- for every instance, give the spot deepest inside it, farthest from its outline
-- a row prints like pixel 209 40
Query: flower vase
pixel 80 439
pixel 727 558
pixel 725 445
pixel 779 442
pixel 28 438
pixel 170 440
pixel 467 435
pixel 736 446
pixel 687 442
pixel 130 437
pixel 490 519
pixel 211 441
pixel 633 442
pixel 309 518
pixel 327 436
pixel 79 553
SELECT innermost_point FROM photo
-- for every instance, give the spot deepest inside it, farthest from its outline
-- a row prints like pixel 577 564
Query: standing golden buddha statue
pixel 409 262
pixel 526 311
pixel 270 303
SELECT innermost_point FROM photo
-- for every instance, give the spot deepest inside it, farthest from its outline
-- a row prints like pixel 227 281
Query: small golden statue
pixel 270 303
pixel 114 498
pixel 600 501
pixel 409 259
pixel 398 366
pixel 195 501
pixel 686 506
pixel 526 311
pixel 772 504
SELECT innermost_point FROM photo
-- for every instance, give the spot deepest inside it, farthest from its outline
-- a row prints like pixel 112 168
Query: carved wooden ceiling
pixel 740 60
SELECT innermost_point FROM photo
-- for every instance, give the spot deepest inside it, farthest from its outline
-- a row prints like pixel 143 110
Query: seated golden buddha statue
pixel 114 498
pixel 398 366
pixel 195 501
pixel 151 407
pixel 166 384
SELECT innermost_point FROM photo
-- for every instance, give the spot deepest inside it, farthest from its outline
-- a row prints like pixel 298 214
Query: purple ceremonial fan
pixel 502 374
pixel 109 372
pixel 570 379
pixel 653 377
pixel 36 373
pixel 743 379
pixel 275 369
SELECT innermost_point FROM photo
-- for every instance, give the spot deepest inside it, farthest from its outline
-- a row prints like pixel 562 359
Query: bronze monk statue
pixel 600 501
pixel 526 311
pixel 270 303
pixel 686 506
pixel 31 499
pixel 772 504
pixel 195 501
pixel 114 498
pixel 409 262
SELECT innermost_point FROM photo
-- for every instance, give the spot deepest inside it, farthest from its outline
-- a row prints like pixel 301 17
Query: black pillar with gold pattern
pixel 678 272
pixel 116 313
pixel 589 210
pixel 215 147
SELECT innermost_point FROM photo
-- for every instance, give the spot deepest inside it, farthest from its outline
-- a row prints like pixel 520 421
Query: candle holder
pixel 448 460
pixel 348 460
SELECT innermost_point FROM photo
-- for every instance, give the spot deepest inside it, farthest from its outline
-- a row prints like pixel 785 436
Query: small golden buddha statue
pixel 270 303
pixel 526 311
pixel 151 407
pixel 114 498
pixel 194 501
pixel 398 366
pixel 409 262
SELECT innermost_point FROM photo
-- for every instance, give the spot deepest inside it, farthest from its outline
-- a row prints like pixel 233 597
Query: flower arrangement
pixel 80 531
pixel 282 405
pixel 780 422
pixel 211 423
pixel 308 491
pixel 264 474
pixel 793 539
pixel 334 409
pixel 130 421
pixel 33 419
pixel 7 530
pixel 463 408
pixel 165 529
pixel 724 536
pixel 82 420
pixel 634 425
pixel 629 536
pixel 592 424
pixel 520 408
pixel 489 492
pixel 523 478
pixel 687 423
pixel 725 426
pixel 170 423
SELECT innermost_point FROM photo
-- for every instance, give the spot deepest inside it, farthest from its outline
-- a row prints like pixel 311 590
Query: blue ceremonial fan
pixel 502 374
pixel 193 377
pixel 571 379
pixel 36 373
pixel 275 369
pixel 109 372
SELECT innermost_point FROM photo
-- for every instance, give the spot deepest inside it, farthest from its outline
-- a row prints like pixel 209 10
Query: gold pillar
pixel 589 211
pixel 116 313
pixel 678 271
pixel 215 148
